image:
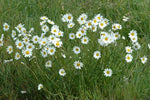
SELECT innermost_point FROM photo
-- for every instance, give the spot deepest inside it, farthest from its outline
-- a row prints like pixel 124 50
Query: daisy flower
pixel 44 53
pixel 134 39
pixel 94 21
pixel 51 38
pixel 19 27
pixel 50 22
pixel 102 25
pixel 78 64
pixel 125 19
pixel 79 35
pixel 97 55
pixel 132 33
pixel 108 72
pixel 9 49
pixel 45 28
pixel 35 39
pixel 136 46
pixel 60 34
pixel 144 59
pixel 71 25
pixel 82 19
pixel 30 46
pixel 44 18
pixel 17 56
pixel 89 24
pixel 69 17
pixel 116 36
pixel 1 42
pixel 62 72
pixel 128 49
pixel 54 29
pixel 13 34
pixel 57 43
pixel 71 36
pixel 5 27
pixel 27 52
pixel 48 64
pixel 26 40
pixel 19 44
pixel 98 17
pixel 85 40
pixel 76 50
pixel 43 41
pixel 40 86
pixel 51 50
pixel 94 28
pixel 42 22
pixel 128 58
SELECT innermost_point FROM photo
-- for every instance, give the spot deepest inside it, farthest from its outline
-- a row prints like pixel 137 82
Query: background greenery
pixel 88 83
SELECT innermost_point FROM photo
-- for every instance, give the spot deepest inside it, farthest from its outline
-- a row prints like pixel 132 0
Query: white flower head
pixel 97 55
pixel 108 72
pixel 9 49
pixel 17 56
pixel 78 64
pixel 76 49
pixel 27 52
pixel 45 28
pixel 71 36
pixel 125 19
pixel 144 59
pixel 48 64
pixel 5 27
pixel 71 25
pixel 128 58
pixel 19 44
pixel 1 42
pixel 85 40
pixel 40 86
pixel 128 49
pixel 62 72
pixel 35 39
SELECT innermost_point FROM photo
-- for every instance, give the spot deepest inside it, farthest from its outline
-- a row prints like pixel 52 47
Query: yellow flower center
pixel 89 24
pixel 106 38
pixel 18 56
pixel 20 44
pixel 6 26
pixel 57 43
pixel 69 17
pixel 27 52
pixel 108 72
pixel 10 49
pixel 78 64
pixel 128 58
pixel 51 50
pixel 55 31
pixel 102 24
pixel 97 54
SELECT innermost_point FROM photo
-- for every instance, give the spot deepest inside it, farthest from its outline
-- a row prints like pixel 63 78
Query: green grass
pixel 88 83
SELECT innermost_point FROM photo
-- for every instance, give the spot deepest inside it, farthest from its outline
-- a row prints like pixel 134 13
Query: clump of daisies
pixel 107 38
pixel 69 19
